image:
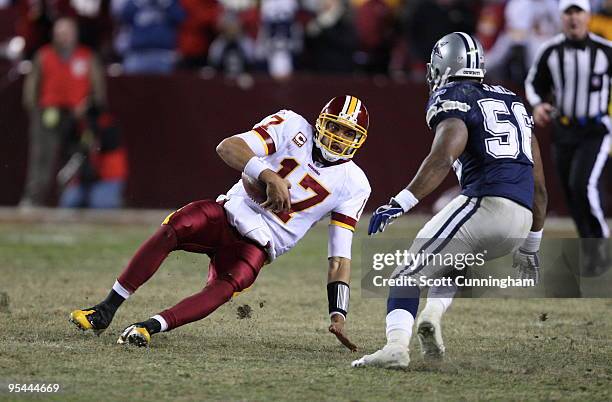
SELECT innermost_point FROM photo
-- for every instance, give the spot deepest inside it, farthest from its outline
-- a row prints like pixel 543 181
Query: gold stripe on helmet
pixel 352 106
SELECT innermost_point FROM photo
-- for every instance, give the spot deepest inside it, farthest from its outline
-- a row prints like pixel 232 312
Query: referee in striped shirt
pixel 573 69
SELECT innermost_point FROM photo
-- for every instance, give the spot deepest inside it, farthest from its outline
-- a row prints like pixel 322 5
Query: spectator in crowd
pixel 601 22
pixel 153 28
pixel 375 25
pixel 433 19
pixel 36 21
pixel 247 13
pixel 198 31
pixel 95 174
pixel 232 52
pixel 279 37
pixel 65 80
pixel 36 18
pixel 529 23
pixel 331 39
pixel 490 23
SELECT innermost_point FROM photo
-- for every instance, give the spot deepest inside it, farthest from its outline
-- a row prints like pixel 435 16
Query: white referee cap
pixel 582 4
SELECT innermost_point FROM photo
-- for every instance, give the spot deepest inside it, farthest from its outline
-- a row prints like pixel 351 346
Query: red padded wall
pixel 172 124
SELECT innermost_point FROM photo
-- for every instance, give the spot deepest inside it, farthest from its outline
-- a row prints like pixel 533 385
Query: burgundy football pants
pixel 199 227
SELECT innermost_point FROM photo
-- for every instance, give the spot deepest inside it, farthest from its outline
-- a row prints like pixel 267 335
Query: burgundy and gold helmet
pixel 350 112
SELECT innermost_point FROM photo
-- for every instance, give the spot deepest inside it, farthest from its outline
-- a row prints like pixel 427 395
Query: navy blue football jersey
pixel 497 160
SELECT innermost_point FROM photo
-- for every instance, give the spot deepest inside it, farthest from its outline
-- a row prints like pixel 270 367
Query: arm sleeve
pixel 340 241
pixel 539 80
pixel 347 214
pixel 344 220
pixel 269 135
pixel 447 103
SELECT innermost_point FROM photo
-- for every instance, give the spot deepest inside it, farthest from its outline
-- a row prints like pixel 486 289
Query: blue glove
pixel 384 216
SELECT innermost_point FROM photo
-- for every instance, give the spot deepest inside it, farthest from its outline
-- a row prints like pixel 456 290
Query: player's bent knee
pixel 167 232
pixel 241 279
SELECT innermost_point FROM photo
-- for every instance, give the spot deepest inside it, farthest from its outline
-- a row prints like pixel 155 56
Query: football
pixel 256 189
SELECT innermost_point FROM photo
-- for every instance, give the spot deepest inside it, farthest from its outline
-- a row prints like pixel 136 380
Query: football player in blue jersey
pixel 484 133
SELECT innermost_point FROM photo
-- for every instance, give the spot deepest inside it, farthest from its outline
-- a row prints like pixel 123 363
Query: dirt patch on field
pixel 244 311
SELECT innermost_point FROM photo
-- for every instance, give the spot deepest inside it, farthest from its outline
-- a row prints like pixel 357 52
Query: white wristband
pixel 254 167
pixel 406 200
pixel 532 242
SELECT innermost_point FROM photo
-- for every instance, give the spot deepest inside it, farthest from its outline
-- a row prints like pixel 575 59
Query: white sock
pixel 162 322
pixel 439 299
pixel 399 327
pixel 123 292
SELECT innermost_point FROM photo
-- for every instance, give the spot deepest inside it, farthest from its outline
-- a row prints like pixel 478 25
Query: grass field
pixel 497 349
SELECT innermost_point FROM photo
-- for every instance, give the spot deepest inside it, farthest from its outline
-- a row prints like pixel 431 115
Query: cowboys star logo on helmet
pixel 455 55
pixel 436 49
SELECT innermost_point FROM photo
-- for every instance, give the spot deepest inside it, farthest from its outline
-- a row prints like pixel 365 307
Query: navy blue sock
pixel 405 298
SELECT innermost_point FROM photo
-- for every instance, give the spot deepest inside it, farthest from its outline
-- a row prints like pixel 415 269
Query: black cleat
pixel 96 318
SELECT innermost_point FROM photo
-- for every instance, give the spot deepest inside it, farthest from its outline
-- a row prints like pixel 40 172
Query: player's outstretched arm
pixel 338 278
pixel 237 154
pixel 449 142
pixel 540 199
pixel 527 259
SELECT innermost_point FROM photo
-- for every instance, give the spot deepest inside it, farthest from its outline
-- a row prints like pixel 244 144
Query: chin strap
pixel 329 157
pixel 325 154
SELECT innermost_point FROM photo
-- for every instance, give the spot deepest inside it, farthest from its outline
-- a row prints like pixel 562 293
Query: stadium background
pixel 171 123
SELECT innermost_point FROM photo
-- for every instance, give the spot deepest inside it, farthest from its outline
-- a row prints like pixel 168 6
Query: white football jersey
pixel 285 141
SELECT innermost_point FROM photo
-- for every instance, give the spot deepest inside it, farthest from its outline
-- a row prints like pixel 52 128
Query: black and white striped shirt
pixel 577 73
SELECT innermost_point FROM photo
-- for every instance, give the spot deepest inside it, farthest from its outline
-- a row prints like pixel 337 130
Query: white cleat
pixel 393 355
pixel 429 332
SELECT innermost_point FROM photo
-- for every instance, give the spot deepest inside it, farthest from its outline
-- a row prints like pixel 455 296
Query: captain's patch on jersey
pixel 299 139
pixel 441 105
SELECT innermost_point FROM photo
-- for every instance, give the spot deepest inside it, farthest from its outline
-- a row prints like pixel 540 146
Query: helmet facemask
pixel 434 79
pixel 323 135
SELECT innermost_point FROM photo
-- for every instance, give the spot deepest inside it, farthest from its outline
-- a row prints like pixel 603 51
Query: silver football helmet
pixel 455 55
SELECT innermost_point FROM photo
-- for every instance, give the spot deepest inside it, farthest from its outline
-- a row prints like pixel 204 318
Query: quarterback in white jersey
pixel 317 188
pixel 307 173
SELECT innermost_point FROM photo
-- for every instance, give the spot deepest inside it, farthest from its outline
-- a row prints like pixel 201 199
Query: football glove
pixel 528 264
pixel 384 216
